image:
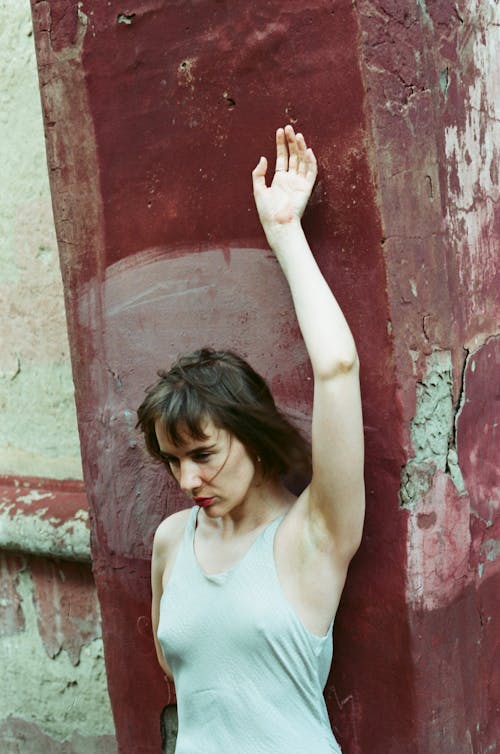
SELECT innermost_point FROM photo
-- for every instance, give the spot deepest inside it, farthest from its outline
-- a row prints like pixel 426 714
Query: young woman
pixel 247 581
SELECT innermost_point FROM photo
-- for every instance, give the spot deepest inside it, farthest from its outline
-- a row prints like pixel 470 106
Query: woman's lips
pixel 203 502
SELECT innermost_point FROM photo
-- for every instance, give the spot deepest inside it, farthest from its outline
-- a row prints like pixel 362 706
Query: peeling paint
pixel 60 698
pixel 44 517
pixel 66 606
pixel 33 496
pixel 446 241
pixel 39 535
pixel 432 432
pixel 472 158
pixel 425 13
pixel 11 613
pixel 491 549
pixel 438 557
pixel 477 425
pixel 125 18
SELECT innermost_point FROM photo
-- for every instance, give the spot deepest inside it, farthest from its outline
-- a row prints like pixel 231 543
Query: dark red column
pixel 155 114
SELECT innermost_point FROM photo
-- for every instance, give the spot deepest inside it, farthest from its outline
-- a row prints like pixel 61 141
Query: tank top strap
pixel 258 558
pixel 269 532
pixel 190 529
pixel 184 560
pixel 263 548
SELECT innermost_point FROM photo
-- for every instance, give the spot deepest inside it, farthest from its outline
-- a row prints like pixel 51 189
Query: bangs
pixel 183 412
pixel 221 387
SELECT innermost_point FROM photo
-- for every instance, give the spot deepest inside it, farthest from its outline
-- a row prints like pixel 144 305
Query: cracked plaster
pixel 42 535
pixel 432 433
pixel 61 698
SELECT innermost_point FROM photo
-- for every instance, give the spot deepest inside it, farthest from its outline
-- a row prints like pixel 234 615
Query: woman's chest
pixel 210 618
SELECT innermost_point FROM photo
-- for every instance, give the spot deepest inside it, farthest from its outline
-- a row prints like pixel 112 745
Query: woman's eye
pixel 202 457
pixel 171 460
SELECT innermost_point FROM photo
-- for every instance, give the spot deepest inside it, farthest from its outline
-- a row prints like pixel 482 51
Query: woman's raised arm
pixel 334 501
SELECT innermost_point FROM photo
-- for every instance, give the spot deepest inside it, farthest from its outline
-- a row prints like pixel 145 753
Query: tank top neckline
pixel 221 576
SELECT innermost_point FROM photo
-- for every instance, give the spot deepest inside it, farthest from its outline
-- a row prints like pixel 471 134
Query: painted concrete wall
pixel 154 116
pixel 433 71
pixel 53 691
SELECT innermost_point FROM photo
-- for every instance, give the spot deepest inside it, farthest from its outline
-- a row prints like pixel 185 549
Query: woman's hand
pixel 284 201
pixel 330 512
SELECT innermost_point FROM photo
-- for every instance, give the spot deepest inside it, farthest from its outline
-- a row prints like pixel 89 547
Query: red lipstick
pixel 203 502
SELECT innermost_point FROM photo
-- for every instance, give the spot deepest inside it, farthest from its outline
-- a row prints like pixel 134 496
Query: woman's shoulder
pixel 170 531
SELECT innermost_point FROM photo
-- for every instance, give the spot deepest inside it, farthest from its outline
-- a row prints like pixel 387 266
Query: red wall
pixel 431 73
pixel 155 115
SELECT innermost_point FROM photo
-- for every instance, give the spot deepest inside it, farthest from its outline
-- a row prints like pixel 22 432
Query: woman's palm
pixel 287 196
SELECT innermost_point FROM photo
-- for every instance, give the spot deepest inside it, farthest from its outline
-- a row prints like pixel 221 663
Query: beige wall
pixel 38 431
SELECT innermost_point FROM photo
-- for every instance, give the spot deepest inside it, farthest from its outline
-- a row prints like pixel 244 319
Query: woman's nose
pixel 189 477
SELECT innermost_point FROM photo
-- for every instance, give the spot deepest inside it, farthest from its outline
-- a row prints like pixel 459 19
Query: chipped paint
pixel 477 428
pixel 491 549
pixel 38 535
pixel 433 88
pixel 432 432
pixel 44 521
pixel 33 496
pixel 62 693
pixel 439 544
pixel 11 614
pixel 66 606
pixel 472 148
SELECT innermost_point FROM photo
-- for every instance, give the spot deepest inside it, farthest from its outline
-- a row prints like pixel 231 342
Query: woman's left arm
pixel 334 501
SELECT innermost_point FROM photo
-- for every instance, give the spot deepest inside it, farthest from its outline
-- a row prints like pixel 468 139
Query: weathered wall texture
pixel 38 433
pixel 433 71
pixel 53 691
pixel 154 116
pixel 53 694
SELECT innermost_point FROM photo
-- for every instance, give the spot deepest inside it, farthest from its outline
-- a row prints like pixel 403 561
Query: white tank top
pixel 249 676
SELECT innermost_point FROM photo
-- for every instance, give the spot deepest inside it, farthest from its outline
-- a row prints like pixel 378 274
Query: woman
pixel 247 582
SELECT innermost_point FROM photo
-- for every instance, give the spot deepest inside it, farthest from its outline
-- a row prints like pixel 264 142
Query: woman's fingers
pixel 293 158
pixel 281 151
pixel 292 155
pixel 312 166
pixel 302 155
pixel 259 174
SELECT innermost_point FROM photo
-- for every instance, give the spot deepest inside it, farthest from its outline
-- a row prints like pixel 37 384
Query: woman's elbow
pixel 341 365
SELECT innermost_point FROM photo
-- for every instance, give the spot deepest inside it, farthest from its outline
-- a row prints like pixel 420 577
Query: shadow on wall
pixel 168 729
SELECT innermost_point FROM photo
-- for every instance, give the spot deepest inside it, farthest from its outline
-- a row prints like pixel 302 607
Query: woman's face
pixel 217 473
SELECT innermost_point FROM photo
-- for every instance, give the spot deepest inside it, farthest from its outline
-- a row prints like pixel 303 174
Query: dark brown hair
pixel 223 387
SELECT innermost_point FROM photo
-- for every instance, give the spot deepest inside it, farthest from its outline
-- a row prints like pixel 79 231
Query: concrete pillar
pixel 155 115
pixel 53 692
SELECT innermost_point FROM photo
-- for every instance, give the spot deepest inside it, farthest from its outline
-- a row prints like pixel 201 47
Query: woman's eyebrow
pixel 200 448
